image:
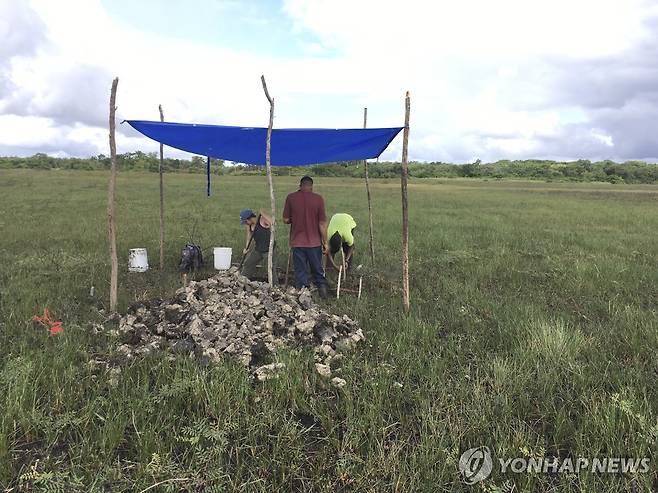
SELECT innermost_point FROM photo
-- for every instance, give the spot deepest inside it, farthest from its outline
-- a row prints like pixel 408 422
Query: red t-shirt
pixel 306 211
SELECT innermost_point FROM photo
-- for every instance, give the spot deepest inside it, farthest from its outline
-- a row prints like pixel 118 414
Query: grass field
pixel 533 331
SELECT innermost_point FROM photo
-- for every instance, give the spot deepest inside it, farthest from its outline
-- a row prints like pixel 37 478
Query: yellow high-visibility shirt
pixel 343 224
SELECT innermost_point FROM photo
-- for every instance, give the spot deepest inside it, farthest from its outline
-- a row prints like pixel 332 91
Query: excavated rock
pixel 267 372
pixel 230 316
pixel 338 382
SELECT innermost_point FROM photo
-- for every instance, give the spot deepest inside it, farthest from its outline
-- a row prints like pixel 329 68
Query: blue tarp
pixel 290 146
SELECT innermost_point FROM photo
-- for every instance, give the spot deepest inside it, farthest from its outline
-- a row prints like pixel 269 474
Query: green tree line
pixel 533 169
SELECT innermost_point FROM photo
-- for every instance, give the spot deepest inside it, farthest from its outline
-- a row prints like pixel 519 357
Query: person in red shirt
pixel 304 211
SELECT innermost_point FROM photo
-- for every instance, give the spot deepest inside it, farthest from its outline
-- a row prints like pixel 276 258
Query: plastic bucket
pixel 138 260
pixel 222 257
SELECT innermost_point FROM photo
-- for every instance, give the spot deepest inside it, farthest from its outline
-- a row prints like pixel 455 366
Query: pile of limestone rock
pixel 229 316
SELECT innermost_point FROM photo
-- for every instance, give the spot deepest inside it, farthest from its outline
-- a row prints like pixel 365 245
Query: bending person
pixel 257 246
pixel 341 235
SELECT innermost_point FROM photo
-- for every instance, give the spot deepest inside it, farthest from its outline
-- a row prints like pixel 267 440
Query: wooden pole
pixel 405 206
pixel 371 241
pixel 268 167
pixel 160 172
pixel 111 215
pixel 340 273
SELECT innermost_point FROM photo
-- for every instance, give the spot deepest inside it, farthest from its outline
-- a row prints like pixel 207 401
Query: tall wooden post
pixel 405 206
pixel 160 172
pixel 268 167
pixel 111 216
pixel 371 241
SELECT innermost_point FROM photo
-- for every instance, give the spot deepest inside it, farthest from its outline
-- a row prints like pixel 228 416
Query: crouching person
pixel 341 235
pixel 257 229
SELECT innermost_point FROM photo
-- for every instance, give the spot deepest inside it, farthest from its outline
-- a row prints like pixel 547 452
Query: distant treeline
pixel 581 170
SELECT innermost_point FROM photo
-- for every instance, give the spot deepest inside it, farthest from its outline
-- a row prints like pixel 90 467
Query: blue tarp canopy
pixel 290 146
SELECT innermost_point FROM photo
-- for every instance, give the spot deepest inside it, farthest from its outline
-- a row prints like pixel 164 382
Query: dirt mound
pixel 229 316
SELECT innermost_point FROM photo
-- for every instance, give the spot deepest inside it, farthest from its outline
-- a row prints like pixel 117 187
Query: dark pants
pixel 303 258
pixel 254 257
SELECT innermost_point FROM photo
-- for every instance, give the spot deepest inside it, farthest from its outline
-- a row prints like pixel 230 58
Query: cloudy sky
pixel 561 79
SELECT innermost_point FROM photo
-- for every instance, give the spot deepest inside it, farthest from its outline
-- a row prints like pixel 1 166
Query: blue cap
pixel 246 214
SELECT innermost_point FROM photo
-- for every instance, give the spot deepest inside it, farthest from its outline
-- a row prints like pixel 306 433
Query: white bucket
pixel 138 260
pixel 222 257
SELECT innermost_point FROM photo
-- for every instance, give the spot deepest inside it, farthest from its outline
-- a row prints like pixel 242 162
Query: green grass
pixel 533 331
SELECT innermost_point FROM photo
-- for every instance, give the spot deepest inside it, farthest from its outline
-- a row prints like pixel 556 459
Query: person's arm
pixel 349 239
pixel 267 218
pixel 331 259
pixel 350 252
pixel 323 234
pixel 322 222
pixel 286 212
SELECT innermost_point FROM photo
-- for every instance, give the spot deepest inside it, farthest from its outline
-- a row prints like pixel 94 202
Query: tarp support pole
pixel 111 215
pixel 371 241
pixel 268 167
pixel 160 172
pixel 208 176
pixel 405 206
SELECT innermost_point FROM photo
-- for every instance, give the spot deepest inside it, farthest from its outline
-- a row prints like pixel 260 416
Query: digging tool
pixel 246 251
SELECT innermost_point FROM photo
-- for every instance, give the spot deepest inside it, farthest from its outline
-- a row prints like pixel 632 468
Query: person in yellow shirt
pixel 341 235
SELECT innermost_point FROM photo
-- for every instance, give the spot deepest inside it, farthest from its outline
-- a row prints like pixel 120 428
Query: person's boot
pixel 322 291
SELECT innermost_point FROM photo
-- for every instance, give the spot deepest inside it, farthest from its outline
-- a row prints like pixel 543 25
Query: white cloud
pixel 480 28
pixel 26 131
pixel 487 79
